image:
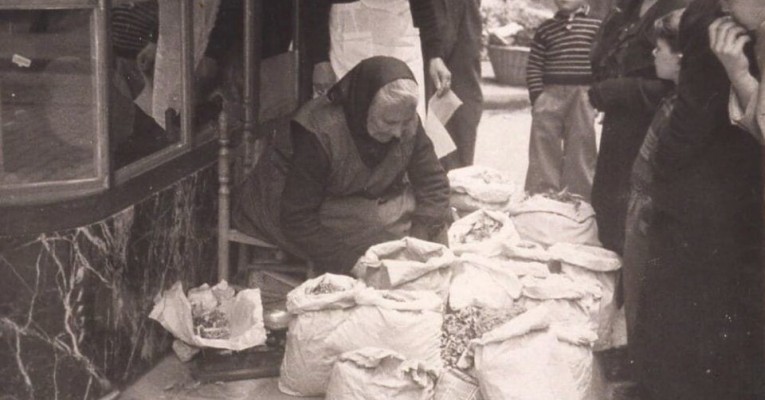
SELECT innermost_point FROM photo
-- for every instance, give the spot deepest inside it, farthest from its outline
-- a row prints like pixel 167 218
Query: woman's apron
pixel 368 28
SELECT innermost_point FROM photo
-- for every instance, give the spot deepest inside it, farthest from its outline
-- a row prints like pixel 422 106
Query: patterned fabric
pixel 560 52
pixel 134 25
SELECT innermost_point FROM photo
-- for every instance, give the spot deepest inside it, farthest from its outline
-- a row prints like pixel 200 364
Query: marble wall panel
pixel 74 304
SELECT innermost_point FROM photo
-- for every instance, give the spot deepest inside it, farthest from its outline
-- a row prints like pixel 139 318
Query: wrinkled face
pixel 667 62
pixel 388 120
pixel 568 6
pixel 749 13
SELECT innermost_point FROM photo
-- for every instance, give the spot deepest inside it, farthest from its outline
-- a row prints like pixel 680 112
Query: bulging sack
pixel 482 232
pixel 330 324
pixel 477 187
pixel 235 324
pixel 547 221
pixel 375 373
pixel 407 264
pixel 525 360
pixel 483 282
pixel 320 305
pixel 407 322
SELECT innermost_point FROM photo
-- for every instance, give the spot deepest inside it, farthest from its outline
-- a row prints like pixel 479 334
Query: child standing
pixel 562 151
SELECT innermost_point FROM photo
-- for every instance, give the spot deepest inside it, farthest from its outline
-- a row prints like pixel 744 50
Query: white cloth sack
pixel 483 282
pixel 245 315
pixel 308 359
pixel 547 221
pixel 407 322
pixel 407 264
pixel 462 230
pixel 374 373
pixel 594 266
pixel 596 259
pixel 525 250
pixel 477 187
pixel 525 360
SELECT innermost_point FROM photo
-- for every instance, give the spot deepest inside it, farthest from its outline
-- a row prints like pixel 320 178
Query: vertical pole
pixel 102 48
pixel 253 21
pixel 224 196
pixel 187 71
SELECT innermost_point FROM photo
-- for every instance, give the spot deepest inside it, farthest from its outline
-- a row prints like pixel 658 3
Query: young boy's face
pixel 666 61
pixel 749 13
pixel 569 6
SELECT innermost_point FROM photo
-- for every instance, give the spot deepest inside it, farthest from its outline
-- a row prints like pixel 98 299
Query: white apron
pixel 368 28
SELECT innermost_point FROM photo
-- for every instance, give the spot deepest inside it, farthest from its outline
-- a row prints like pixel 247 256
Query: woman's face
pixel 667 62
pixel 389 120
pixel 749 13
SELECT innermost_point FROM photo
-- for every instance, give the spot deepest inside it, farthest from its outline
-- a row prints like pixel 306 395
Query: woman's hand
pixel 727 39
pixel 440 74
pixel 323 78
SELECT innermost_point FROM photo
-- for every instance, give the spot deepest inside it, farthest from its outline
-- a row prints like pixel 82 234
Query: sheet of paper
pixel 445 106
pixel 440 110
pixel 442 142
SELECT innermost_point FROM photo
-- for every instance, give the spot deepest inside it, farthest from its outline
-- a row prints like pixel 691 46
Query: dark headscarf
pixel 355 93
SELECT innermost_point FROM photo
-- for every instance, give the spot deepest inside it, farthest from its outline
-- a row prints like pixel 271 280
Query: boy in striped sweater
pixel 562 150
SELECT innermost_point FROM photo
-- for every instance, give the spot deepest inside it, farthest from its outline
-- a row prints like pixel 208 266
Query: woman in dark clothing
pixel 627 90
pixel 699 330
pixel 362 172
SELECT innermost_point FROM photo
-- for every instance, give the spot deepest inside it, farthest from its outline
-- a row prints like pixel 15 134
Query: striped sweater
pixel 560 52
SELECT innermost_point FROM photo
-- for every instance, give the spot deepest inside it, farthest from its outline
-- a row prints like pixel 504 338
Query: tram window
pixel 47 98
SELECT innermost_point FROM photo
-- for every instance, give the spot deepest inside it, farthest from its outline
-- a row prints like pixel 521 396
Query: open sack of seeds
pixel 555 218
pixel 477 187
pixel 350 317
pixel 407 264
pixel 216 317
pixel 375 373
pixel 482 232
pixel 319 305
pixel 524 359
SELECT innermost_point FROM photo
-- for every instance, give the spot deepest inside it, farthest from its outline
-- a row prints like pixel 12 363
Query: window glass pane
pixel 47 99
pixel 144 120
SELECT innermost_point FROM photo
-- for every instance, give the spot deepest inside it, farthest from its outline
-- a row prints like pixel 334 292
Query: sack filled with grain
pixel 319 305
pixel 482 232
pixel 477 187
pixel 375 373
pixel 555 218
pixel 407 264
pixel 483 282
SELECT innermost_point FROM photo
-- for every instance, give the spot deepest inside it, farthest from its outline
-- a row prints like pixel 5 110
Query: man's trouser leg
pixel 546 142
pixel 579 147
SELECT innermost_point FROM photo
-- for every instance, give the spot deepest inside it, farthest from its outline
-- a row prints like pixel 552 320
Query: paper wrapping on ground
pixel 245 315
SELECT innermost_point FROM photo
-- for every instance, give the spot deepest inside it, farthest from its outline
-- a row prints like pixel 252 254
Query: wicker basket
pixel 509 64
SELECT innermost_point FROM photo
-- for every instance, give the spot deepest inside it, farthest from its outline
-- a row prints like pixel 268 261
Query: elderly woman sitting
pixel 362 171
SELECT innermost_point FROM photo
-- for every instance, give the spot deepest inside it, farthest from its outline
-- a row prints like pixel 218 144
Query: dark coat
pixel 699 333
pixel 629 93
